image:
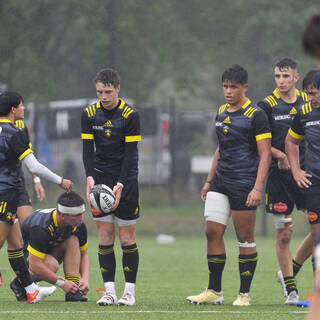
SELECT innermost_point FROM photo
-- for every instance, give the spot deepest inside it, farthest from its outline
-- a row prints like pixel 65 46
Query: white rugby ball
pixel 102 198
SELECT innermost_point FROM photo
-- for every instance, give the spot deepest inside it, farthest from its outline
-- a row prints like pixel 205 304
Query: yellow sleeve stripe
pixel 295 135
pixel 87 136
pixel 263 136
pixel 28 151
pixel 84 247
pixel 36 253
pixel 122 103
pixel 222 108
pixel 132 138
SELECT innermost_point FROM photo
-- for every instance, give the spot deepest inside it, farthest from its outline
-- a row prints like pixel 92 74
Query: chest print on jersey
pixel 108 128
pixel 225 127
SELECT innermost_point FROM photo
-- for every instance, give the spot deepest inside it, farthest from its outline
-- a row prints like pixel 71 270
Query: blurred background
pixel 170 55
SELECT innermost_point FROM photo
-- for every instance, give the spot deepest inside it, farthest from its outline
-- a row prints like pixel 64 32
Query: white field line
pixel 149 311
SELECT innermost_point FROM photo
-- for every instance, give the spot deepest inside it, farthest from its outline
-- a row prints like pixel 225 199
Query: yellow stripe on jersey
pixel 222 108
pixel 246 104
pixel 132 138
pixel 295 135
pixel 250 112
pixel 122 104
pixel 54 218
pixel 5 120
pixel 19 124
pixel 262 136
pixel 276 93
pixel 84 247
pixel 87 136
pixel 36 253
pixel 28 151
pixel 306 108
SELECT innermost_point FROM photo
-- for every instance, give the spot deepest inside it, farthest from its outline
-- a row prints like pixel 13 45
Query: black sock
pixel 247 267
pixel 313 264
pixel 216 263
pixel 107 262
pixel 296 267
pixel 19 266
pixel 290 283
pixel 130 262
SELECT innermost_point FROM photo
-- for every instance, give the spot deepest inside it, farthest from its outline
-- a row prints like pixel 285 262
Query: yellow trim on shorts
pixel 36 253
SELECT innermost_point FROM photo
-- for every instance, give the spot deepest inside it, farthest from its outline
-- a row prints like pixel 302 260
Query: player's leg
pixel 303 252
pixel 244 224
pixel 217 213
pixel 130 259
pixel 23 212
pixel 107 260
pixel 23 285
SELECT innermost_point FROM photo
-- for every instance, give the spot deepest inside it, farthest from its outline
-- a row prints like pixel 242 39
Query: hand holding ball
pixel 102 198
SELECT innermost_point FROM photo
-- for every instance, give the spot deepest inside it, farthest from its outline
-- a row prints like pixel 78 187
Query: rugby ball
pixel 102 198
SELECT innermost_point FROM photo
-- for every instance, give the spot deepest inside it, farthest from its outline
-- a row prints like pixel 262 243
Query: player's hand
pixel 90 184
pixel 204 191
pixel 117 191
pixel 283 163
pixel 84 286
pixel 70 286
pixel 66 185
pixel 254 198
pixel 301 178
pixel 40 192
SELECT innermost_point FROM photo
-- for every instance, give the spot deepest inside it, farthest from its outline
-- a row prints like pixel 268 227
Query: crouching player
pixel 53 236
pixel 235 182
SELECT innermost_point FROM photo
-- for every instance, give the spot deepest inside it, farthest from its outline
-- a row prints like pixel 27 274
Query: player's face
pixel 74 220
pixel 108 95
pixel 18 112
pixel 313 96
pixel 234 92
pixel 286 79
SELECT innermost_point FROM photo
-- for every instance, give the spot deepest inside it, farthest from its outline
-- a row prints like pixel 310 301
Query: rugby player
pixel 110 133
pixel 234 183
pixel 14 148
pixel 282 192
pixel 311 44
pixel 53 236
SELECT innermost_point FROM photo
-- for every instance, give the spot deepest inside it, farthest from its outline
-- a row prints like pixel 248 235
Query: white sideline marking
pixel 151 311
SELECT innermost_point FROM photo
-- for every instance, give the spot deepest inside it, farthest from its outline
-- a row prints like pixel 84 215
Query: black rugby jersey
pixel 14 146
pixel 281 114
pixel 41 233
pixel 110 130
pixel 238 133
pixel 306 125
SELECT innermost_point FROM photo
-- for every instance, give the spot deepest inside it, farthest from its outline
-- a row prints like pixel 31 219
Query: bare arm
pixel 283 162
pixel 40 270
pixel 264 150
pixel 84 271
pixel 210 176
pixel 292 151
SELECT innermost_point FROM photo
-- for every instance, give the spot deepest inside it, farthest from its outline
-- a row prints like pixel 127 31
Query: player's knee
pixel 284 238
pixel 52 263
pixel 213 234
pixel 72 242
pixel 282 222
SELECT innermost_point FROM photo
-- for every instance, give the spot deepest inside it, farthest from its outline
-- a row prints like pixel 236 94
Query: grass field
pixel 167 274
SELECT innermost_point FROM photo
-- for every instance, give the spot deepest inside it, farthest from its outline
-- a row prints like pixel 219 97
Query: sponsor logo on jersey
pixel 283 117
pixel 312 216
pixel 280 207
pixel 312 123
pixel 293 110
pixel 227 120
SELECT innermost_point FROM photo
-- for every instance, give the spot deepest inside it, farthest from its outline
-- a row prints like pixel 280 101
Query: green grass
pixel 167 274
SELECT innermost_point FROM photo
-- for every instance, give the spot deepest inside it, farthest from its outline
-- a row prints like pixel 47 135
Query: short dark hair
pixel 236 74
pixel 311 79
pixel 70 199
pixel 9 99
pixel 108 76
pixel 311 35
pixel 286 63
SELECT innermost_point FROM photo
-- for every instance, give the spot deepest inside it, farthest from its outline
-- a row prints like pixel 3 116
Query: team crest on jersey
pixel 225 130
pixel 293 111
pixel 107 128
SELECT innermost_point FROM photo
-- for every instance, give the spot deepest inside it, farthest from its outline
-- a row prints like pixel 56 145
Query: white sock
pixel 31 288
pixel 129 287
pixel 109 286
